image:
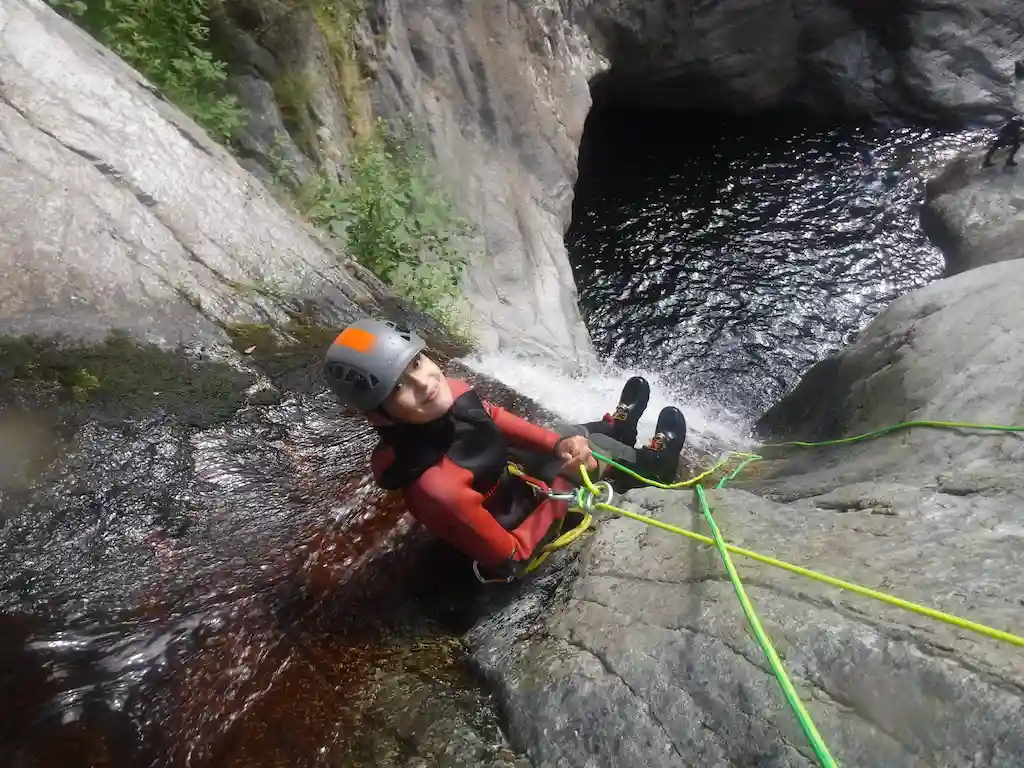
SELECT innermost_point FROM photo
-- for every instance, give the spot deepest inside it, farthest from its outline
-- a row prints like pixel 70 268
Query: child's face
pixel 422 393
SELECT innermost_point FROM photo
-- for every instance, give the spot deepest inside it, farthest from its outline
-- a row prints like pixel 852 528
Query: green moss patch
pixel 118 379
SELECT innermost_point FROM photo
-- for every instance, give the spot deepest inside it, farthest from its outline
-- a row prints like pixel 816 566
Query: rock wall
pixel 503 89
pixel 949 59
pixel 501 93
pixel 120 213
pixel 973 213
pixel 637 653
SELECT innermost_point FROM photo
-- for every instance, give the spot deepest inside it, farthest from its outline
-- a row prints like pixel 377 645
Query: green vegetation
pixel 290 354
pixel 82 384
pixel 391 215
pixel 119 379
pixel 169 43
pixel 337 21
pixel 293 92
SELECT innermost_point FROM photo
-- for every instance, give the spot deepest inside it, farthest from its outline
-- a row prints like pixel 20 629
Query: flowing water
pixel 192 589
pixel 214 581
pixel 730 255
pixel 588 395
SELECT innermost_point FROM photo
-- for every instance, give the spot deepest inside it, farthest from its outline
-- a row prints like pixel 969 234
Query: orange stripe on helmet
pixel 357 339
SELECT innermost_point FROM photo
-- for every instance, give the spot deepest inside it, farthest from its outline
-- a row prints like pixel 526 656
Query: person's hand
pixel 574 453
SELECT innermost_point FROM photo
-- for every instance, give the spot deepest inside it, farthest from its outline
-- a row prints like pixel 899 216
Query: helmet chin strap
pixel 381 413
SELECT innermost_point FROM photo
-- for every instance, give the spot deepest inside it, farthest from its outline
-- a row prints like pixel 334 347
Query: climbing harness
pixel 580 499
pixel 598 496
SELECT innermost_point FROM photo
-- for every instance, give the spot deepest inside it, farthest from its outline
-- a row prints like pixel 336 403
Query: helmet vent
pixel 357 380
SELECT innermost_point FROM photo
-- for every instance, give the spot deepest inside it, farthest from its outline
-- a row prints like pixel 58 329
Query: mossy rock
pixel 117 380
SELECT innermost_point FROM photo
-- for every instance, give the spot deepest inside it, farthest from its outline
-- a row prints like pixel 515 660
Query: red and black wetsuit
pixel 454 474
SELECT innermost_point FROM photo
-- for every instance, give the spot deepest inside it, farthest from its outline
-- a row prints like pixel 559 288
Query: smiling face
pixel 422 393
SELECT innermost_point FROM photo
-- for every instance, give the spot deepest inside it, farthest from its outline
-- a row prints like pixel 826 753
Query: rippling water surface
pixel 179 591
pixel 732 255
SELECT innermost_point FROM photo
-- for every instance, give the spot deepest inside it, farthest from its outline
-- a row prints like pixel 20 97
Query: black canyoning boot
pixel 659 460
pixel 632 403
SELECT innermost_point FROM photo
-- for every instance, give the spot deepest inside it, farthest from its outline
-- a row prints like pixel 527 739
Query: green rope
pixel 818 745
pixel 682 484
pixel 749 460
pixel 894 428
pixel 792 698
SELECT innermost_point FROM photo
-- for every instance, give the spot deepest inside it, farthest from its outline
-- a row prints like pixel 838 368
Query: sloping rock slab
pixel 118 212
pixel 647 660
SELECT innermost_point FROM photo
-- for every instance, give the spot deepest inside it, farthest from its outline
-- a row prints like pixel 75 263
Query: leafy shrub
pixel 168 41
pixel 392 216
pixel 389 213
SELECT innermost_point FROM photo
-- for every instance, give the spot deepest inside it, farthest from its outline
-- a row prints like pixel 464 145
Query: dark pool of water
pixel 730 255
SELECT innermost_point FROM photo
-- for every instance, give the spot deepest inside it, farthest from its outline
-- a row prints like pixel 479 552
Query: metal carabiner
pixel 568 497
pixel 482 580
pixel 589 502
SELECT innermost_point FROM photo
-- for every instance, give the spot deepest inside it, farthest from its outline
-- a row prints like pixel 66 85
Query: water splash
pixel 589 394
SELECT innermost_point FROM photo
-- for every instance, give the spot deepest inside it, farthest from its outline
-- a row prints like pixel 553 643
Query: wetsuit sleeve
pixel 443 499
pixel 522 434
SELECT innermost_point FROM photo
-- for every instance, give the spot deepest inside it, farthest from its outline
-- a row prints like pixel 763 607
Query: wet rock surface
pixel 648 660
pixel 195 573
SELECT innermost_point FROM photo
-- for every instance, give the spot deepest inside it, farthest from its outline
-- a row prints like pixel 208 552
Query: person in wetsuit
pixel 1008 137
pixel 448 450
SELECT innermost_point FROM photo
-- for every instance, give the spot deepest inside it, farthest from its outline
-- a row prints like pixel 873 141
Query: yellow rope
pixel 563 540
pixel 683 484
pixel 585 501
pixel 922 610
pixel 907 605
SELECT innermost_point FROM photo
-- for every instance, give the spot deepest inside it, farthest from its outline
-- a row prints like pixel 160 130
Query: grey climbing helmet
pixel 366 361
